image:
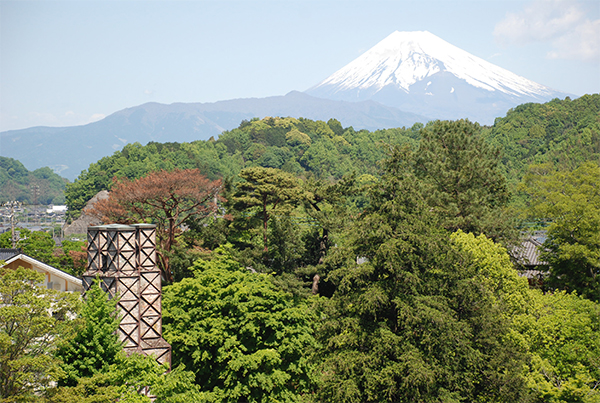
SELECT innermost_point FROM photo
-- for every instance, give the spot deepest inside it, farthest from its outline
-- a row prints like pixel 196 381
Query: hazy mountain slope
pixel 41 186
pixel 421 73
pixel 69 150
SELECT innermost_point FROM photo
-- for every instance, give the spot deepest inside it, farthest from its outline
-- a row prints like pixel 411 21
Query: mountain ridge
pixel 69 150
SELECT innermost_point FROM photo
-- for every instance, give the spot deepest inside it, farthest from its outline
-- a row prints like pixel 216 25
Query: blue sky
pixel 66 63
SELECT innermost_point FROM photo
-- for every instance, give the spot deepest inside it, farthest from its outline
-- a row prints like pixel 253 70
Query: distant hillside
pixel 564 132
pixel 301 146
pixel 17 183
pixel 69 150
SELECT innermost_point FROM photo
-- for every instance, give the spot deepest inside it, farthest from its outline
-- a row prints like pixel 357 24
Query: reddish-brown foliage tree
pixel 163 198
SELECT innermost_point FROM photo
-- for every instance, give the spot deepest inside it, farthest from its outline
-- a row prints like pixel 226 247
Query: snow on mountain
pixel 421 73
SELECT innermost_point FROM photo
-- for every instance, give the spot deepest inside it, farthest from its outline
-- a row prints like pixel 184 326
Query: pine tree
pixel 463 181
pixel 96 344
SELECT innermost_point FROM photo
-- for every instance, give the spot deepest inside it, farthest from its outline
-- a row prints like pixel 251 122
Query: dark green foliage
pixel 563 132
pixel 263 194
pixel 95 345
pixel 412 323
pixel 244 339
pixel 17 183
pixel 463 181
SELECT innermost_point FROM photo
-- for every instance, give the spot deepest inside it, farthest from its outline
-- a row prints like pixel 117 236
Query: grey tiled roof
pixel 529 253
pixel 6 254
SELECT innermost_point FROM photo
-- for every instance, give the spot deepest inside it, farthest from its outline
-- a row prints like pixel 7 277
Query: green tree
pixel 132 379
pixel 244 339
pixel 96 344
pixel 571 202
pixel 564 132
pixel 263 193
pixel 495 271
pixel 36 244
pixel 464 182
pixel 326 203
pixel 411 323
pixel 561 333
pixel 32 321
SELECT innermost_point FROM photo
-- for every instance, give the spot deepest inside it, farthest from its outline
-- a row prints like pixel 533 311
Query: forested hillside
pixel 299 146
pixel 565 133
pixel 42 185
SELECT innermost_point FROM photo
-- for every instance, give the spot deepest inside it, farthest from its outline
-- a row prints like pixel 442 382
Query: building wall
pixel 56 282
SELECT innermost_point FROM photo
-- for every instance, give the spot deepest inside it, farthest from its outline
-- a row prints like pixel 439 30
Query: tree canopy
pixel 411 322
pixel 96 345
pixel 33 320
pixel 165 198
pixel 570 201
pixel 330 274
pixel 244 339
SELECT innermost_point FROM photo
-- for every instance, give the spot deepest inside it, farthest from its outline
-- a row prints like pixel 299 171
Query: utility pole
pixel 35 190
pixel 12 205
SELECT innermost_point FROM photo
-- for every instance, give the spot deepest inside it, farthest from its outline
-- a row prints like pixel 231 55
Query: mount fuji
pixel 420 73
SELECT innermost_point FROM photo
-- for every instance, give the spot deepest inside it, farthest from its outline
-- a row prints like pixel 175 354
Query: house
pixel 54 278
pixel 528 260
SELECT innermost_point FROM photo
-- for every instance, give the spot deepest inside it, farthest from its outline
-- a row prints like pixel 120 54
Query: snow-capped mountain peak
pixel 421 73
pixel 404 58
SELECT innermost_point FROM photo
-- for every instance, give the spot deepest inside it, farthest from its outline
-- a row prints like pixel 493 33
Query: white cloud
pixel 562 23
pixel 96 117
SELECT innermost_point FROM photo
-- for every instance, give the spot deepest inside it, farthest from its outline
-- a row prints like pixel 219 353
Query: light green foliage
pixel 495 271
pixel 32 321
pixel 412 323
pixel 562 335
pixel 560 332
pixel 97 370
pixel 462 178
pixel 243 339
pixel 571 202
pixel 17 183
pixel 131 379
pixel 300 146
pixel 41 246
pixel 95 345
pixel 295 138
